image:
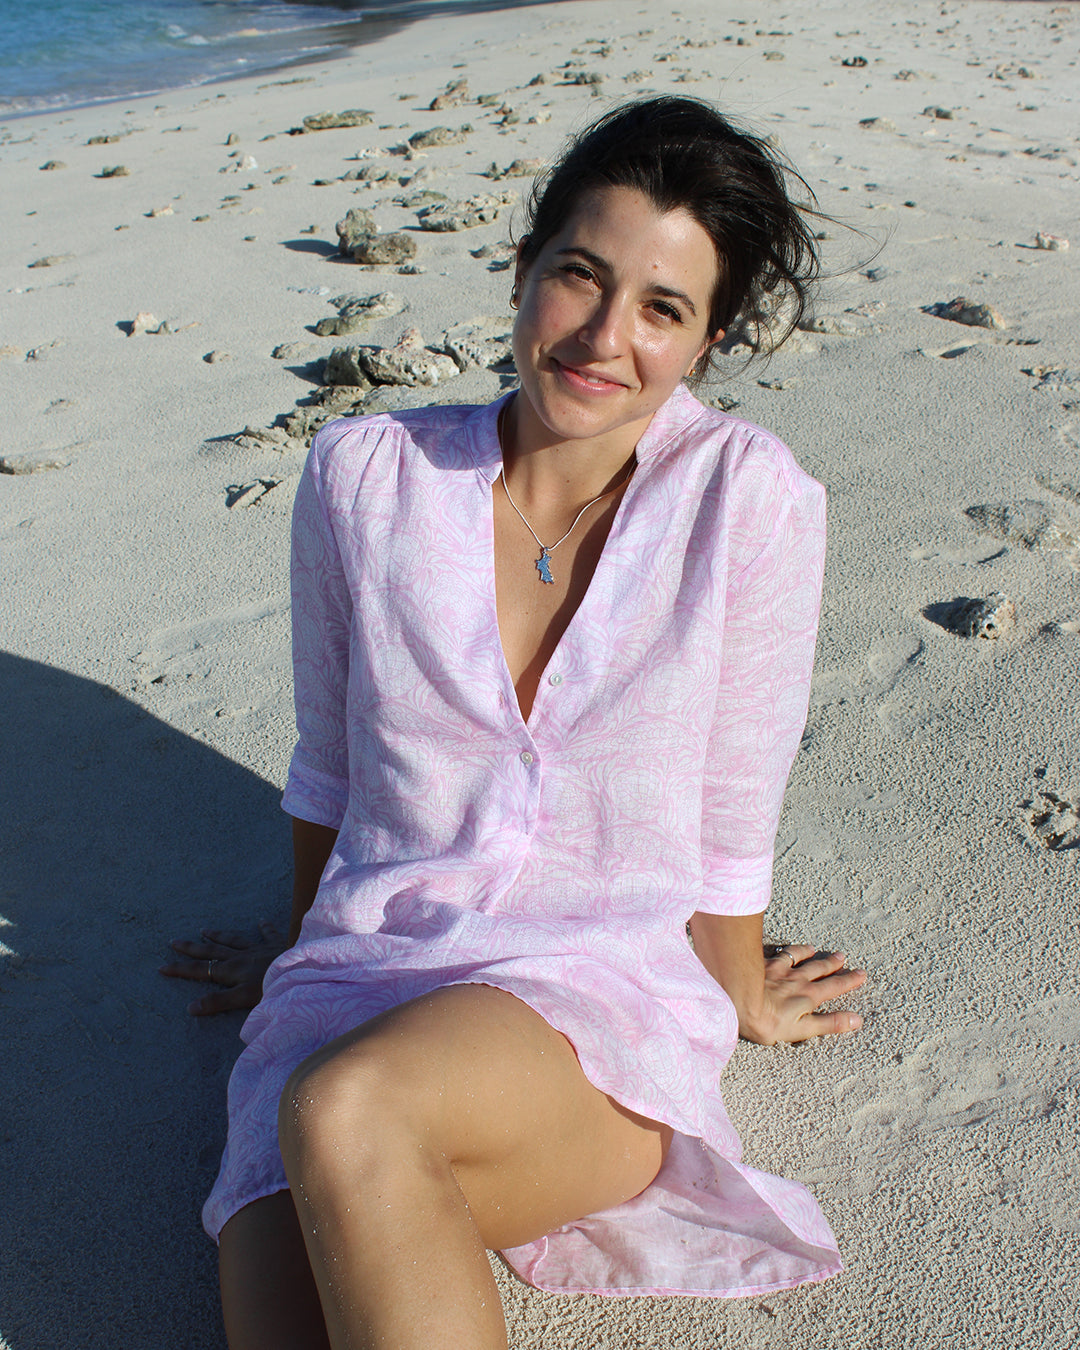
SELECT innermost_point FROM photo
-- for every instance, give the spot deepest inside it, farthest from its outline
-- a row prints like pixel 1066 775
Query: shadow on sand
pixel 119 832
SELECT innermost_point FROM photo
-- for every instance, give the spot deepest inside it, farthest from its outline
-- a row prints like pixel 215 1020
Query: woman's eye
pixel 667 311
pixel 578 270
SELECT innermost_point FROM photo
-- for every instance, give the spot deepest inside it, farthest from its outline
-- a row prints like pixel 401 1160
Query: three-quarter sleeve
pixel 318 785
pixel 776 562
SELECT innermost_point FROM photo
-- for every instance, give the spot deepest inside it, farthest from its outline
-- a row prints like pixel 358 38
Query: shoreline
pixel 162 326
pixel 334 40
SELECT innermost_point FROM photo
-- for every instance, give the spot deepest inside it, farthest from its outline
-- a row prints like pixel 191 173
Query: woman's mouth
pixel 585 380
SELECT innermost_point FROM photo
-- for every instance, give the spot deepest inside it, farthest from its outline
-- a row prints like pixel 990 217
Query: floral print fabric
pixel 560 858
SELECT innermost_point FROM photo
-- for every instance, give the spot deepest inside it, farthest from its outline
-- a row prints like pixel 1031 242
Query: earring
pixel 515 297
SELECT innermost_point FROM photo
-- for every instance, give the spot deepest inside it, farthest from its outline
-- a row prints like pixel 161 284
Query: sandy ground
pixel 931 825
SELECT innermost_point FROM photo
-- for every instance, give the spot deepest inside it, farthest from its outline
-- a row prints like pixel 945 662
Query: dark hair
pixel 680 152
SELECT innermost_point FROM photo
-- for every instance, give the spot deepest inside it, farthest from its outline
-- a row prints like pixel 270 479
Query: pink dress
pixel 560 858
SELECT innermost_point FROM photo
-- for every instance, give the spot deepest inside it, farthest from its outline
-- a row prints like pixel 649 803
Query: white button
pixel 526 757
pixel 554 679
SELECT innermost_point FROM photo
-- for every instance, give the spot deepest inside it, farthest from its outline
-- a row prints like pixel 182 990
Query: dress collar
pixel 668 422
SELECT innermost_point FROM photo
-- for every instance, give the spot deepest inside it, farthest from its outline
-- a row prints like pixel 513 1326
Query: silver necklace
pixel 543 563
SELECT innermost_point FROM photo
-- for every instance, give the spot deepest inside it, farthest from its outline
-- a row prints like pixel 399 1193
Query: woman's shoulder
pixel 349 437
pixel 740 454
pixel 348 450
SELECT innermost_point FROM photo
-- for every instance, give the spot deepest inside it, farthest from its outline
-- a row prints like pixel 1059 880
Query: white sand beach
pixel 932 823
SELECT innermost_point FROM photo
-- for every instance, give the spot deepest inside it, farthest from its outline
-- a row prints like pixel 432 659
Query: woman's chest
pixel 539 589
pixel 449 610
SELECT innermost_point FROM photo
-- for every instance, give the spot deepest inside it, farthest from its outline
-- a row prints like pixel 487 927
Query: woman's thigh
pixel 479 1077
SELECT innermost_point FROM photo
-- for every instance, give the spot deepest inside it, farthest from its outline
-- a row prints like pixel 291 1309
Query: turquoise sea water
pixel 58 53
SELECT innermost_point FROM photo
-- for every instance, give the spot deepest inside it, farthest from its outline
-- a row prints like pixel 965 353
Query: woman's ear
pixel 519 272
pixel 702 358
pixel 519 261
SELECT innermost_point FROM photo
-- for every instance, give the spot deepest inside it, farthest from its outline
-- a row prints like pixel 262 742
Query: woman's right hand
pixel 798 980
pixel 235 962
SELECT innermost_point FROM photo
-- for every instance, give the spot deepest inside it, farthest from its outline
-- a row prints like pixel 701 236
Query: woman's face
pixel 613 313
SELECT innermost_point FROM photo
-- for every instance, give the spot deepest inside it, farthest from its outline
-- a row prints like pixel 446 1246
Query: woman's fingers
pixel 196 951
pixel 198 968
pixel 818 972
pixel 227 937
pixel 233 962
pixel 827 987
pixel 798 989
pixel 825 1024
pixel 826 962
pixel 793 953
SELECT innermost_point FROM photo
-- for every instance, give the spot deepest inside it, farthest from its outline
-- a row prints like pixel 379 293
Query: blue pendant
pixel 544 567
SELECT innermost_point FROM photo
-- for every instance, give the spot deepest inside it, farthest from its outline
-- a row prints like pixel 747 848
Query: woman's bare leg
pixel 268 1294
pixel 457 1122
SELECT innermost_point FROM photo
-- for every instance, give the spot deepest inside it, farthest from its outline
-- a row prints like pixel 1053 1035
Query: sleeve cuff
pixel 736 885
pixel 314 796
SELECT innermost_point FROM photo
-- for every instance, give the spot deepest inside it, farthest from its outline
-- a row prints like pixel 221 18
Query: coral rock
pixel 455 93
pixel 378 249
pixel 436 136
pixel 963 310
pixel 988 618
pixel 484 342
pixel 408 363
pixel 520 168
pixel 463 215
pixel 329 121
pixel 358 224
pixel 355 311
pixel 23 464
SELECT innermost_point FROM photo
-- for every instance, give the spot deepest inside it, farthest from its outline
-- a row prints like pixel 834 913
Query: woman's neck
pixel 544 470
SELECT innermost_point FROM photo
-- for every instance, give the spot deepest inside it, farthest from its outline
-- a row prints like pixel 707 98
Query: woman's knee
pixel 339 1104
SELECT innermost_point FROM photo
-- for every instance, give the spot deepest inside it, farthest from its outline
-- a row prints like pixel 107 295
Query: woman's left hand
pixel 235 962
pixel 798 980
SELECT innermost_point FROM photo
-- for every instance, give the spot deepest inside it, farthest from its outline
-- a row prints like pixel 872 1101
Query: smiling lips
pixel 586 381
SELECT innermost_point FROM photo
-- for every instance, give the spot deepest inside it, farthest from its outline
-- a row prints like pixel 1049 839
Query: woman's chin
pixel 561 413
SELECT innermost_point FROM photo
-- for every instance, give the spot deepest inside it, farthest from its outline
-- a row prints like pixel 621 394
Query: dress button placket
pixel 555 679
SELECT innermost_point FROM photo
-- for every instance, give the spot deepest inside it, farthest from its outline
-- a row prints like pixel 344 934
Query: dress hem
pixel 751 1291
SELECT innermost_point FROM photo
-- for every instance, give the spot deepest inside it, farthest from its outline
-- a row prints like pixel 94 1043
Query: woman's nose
pixel 606 329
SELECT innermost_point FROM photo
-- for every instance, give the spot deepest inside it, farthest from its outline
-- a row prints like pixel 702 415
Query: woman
pixel 552 660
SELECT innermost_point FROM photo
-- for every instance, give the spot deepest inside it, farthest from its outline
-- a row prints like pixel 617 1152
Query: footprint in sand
pixel 193 649
pixel 902 715
pixel 1069 488
pixel 973 554
pixel 888 660
pixel 1002 1069
pixel 1052 821
pixel 1031 524
pixel 247 494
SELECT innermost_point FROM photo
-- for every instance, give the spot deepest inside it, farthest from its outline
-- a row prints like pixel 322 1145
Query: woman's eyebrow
pixel 669 292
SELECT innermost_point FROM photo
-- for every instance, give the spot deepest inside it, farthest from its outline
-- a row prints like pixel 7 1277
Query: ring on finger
pixel 210 969
pixel 784 951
